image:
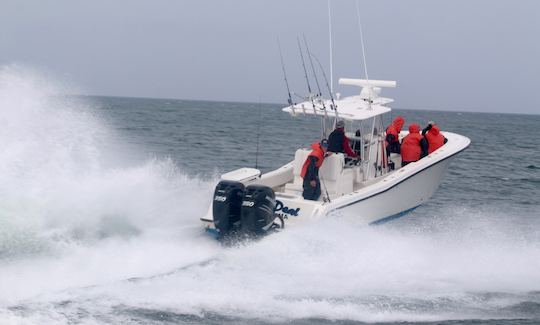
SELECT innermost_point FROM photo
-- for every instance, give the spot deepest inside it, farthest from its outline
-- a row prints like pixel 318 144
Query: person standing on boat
pixel 338 142
pixel 434 138
pixel 392 136
pixel 414 146
pixel 310 170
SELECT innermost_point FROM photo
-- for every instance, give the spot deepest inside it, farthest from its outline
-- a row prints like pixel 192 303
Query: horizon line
pixel 273 103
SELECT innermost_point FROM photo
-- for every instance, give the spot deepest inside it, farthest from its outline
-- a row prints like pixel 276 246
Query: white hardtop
pixel 361 107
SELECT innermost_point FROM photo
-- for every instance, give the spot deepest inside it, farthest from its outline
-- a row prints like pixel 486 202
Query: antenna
pixel 330 43
pixel 361 37
pixel 368 88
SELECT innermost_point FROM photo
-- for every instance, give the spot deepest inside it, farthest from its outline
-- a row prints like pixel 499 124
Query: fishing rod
pixel 318 87
pixel 290 101
pixel 310 97
pixel 333 106
pixel 325 189
pixel 258 135
pixel 312 67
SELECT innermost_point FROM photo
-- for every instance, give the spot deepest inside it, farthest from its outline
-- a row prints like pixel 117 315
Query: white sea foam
pixel 75 224
pixel 337 270
pixel 70 217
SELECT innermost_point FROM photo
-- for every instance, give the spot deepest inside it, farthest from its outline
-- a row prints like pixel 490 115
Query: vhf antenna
pixel 363 51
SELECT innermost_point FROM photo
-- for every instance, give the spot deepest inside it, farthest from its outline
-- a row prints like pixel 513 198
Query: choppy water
pixel 101 199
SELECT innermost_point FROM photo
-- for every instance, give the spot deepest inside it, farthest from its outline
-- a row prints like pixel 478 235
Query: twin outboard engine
pixel 227 205
pixel 258 209
pixel 249 210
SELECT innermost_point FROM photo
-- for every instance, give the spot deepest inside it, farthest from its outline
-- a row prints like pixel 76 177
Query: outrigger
pixel 368 189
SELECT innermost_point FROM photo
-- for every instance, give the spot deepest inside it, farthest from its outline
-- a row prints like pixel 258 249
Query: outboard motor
pixel 257 214
pixel 227 204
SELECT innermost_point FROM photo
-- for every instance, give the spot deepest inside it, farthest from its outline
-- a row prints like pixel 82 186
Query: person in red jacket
pixel 414 146
pixel 310 170
pixel 338 142
pixel 434 138
pixel 392 135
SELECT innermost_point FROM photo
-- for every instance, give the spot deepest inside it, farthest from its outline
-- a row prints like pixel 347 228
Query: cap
pixel 340 124
pixel 324 143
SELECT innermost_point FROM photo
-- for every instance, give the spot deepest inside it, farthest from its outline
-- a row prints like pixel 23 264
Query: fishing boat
pixel 373 189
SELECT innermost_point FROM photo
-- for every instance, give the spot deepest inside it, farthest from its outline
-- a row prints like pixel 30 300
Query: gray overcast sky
pixel 480 55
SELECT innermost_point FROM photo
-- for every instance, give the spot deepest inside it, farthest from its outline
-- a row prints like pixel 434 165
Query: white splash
pixel 70 215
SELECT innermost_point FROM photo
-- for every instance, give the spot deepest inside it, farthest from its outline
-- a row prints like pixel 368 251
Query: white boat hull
pixel 396 200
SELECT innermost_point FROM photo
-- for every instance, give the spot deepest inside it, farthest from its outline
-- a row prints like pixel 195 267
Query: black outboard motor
pixel 258 209
pixel 227 204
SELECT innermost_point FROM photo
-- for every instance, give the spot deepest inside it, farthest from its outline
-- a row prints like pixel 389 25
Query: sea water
pixel 100 200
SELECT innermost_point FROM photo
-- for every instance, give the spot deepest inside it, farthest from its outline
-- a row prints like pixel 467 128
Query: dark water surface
pixel 99 222
pixel 502 164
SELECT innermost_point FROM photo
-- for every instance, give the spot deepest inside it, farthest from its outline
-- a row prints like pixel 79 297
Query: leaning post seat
pixel 337 179
pixel 300 157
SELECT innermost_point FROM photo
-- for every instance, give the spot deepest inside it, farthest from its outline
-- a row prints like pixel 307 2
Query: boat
pixel 373 189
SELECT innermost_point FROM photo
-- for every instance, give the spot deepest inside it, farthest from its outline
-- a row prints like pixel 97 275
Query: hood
pixel 398 122
pixel 434 130
pixel 414 128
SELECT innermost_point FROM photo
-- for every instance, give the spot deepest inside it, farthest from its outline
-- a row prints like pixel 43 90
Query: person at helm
pixel 434 138
pixel 338 142
pixel 392 135
pixel 310 170
pixel 414 146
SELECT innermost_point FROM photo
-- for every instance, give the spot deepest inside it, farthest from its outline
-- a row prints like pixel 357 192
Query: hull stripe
pixel 392 217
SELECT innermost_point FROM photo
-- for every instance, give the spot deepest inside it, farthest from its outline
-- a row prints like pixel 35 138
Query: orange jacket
pixel 411 149
pixel 395 128
pixel 317 152
pixel 434 138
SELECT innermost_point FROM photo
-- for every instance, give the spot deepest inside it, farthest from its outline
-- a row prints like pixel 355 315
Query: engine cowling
pixel 257 212
pixel 227 204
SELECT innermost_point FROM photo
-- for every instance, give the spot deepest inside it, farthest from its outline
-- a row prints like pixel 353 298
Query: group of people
pixel 413 147
pixel 337 143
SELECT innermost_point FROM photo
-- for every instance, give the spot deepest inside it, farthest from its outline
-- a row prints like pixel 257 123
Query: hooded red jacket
pixel 411 149
pixel 434 138
pixel 395 128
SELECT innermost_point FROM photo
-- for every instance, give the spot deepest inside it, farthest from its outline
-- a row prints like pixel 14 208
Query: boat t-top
pixel 373 189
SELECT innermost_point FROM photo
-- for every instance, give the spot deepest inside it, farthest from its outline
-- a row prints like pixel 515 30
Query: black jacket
pixel 335 141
